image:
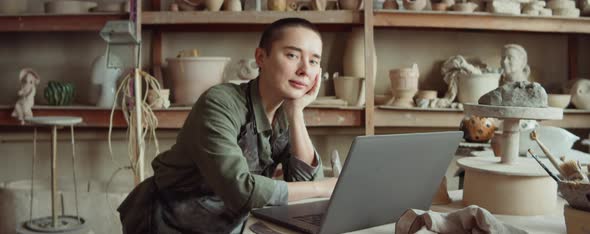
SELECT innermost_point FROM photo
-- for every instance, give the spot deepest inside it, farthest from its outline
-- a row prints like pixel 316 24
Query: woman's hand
pixel 296 105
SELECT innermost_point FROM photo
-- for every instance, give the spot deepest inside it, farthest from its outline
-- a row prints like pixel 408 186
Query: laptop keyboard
pixel 314 219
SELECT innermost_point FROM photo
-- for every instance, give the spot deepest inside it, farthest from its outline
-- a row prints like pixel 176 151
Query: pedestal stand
pixel 509 184
pixel 55 223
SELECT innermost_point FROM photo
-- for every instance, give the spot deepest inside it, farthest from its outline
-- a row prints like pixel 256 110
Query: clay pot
pixel 353 60
pixel 350 89
pixel 13 6
pixel 439 6
pixel 350 4
pixel 390 4
pixel 471 87
pixel 68 7
pixel 414 5
pixel 191 76
pixel 174 7
pixel 464 7
pixel 213 5
pixel 232 5
pixel 477 129
pixel 581 94
pixel 319 5
pixel 189 5
pixel 404 84
pixel 276 5
pixel 576 194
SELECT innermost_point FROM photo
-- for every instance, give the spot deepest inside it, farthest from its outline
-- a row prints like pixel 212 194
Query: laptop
pixel 383 176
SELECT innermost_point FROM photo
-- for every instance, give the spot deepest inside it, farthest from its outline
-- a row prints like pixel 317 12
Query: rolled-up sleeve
pixel 215 125
pixel 297 170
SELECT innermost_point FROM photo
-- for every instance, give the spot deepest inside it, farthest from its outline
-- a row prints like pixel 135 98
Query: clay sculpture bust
pixel 520 93
pixel 514 64
pixel 26 95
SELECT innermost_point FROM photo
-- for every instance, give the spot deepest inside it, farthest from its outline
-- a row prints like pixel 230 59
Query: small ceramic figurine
pixel 29 80
pixel 247 69
pixel 514 64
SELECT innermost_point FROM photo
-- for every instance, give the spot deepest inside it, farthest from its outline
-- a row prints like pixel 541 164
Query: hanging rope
pixel 149 119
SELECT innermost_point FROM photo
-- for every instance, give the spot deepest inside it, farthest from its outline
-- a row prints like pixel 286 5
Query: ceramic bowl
pixel 69 7
pixel 559 100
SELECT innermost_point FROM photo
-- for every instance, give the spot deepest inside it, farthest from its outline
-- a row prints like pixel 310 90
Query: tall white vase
pixel 107 79
pixel 353 61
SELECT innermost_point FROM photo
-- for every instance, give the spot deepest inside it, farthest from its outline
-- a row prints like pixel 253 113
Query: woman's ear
pixel 259 55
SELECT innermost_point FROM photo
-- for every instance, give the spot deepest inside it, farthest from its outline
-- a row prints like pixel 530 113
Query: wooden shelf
pixel 451 118
pixel 215 19
pixel 52 22
pixel 480 21
pixel 173 118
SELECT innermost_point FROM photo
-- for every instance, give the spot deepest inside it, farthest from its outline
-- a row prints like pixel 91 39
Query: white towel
pixel 471 219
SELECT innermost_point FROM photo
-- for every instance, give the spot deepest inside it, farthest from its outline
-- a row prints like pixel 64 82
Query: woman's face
pixel 512 61
pixel 293 63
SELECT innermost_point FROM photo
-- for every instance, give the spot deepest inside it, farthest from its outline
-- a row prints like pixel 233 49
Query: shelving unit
pixel 387 117
pixel 56 23
pixel 480 21
pixel 340 17
pixel 369 118
pixel 173 118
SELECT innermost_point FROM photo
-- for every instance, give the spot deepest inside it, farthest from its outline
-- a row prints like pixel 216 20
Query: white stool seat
pixel 55 120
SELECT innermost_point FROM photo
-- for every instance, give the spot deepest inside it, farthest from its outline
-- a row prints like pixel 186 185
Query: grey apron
pixel 198 209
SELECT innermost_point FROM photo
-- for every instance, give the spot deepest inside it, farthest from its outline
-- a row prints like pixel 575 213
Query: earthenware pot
pixel 472 86
pixel 404 84
pixel 414 5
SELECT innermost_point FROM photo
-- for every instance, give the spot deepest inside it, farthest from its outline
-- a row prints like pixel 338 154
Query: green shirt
pixel 207 153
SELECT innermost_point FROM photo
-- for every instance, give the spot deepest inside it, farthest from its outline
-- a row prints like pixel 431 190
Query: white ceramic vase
pixel 106 78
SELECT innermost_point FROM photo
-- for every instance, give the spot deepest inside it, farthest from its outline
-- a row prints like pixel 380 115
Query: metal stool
pixel 54 223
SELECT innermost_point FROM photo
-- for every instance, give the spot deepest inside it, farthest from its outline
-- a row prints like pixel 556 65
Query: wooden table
pixel 551 223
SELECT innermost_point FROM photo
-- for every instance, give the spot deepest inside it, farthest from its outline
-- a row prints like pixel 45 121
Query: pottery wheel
pixel 524 166
pixel 513 112
pixel 510 184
